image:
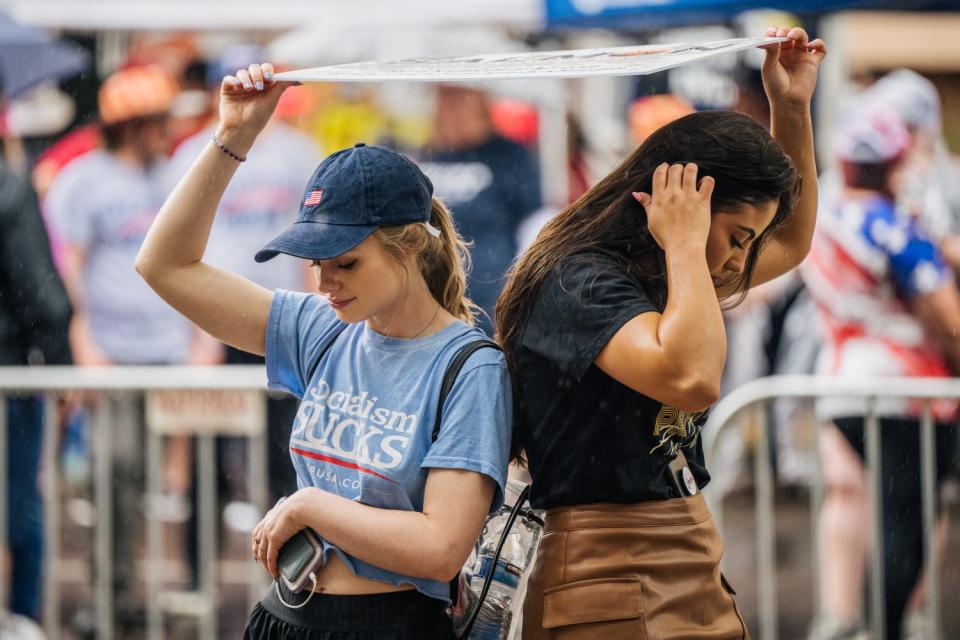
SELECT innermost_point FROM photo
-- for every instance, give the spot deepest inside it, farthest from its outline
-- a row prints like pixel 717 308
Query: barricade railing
pixel 132 381
pixel 753 397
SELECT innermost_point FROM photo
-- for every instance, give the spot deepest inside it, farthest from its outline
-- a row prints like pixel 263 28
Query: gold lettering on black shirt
pixel 675 429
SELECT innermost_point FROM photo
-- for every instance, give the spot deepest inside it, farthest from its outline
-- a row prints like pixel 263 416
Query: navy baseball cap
pixel 351 194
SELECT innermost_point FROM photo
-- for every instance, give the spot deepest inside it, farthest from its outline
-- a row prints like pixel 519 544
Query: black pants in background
pixel 902 502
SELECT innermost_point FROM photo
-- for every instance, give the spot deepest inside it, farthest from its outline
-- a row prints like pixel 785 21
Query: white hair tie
pixel 432 230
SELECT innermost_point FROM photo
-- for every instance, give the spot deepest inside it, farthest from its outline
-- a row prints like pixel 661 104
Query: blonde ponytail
pixel 444 260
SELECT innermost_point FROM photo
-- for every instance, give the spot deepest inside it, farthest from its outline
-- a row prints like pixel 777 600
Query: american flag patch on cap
pixel 313 198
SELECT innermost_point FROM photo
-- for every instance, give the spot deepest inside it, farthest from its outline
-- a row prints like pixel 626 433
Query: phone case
pixel 298 558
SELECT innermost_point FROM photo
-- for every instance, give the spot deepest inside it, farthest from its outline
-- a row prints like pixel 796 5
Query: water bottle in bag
pixel 496 611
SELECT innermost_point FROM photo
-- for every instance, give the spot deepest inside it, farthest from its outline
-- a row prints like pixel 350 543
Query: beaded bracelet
pixel 223 148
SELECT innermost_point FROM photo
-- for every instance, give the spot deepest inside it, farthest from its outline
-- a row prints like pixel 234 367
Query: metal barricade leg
pixel 872 445
pixel 103 478
pixel 817 492
pixel 51 518
pixel 154 564
pixel 931 564
pixel 207 519
pixel 714 498
pixel 257 477
pixel 4 569
pixel 766 560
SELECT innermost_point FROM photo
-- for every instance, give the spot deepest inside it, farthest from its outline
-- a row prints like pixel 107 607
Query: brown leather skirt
pixel 648 570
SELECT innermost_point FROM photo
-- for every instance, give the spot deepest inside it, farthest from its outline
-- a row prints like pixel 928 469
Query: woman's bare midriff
pixel 335 578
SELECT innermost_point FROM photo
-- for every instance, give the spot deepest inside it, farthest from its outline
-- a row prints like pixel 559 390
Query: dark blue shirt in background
pixel 490 189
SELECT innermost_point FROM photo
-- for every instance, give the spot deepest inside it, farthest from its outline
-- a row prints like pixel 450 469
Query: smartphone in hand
pixel 298 558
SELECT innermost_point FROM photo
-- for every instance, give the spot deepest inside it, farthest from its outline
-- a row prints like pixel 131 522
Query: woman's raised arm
pixel 225 305
pixel 789 77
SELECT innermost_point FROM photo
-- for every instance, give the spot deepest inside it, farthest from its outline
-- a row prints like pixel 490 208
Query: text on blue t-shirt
pixel 367 407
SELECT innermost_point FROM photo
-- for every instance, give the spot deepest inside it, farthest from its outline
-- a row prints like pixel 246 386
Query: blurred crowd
pixel 878 295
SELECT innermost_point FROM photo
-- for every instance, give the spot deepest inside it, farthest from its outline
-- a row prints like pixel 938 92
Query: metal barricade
pixel 753 396
pixel 136 380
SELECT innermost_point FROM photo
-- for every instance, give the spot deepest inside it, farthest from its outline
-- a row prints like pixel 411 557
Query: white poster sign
pixel 571 63
pixel 206 412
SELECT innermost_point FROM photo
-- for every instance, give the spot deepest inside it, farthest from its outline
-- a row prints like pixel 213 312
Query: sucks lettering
pixel 351 426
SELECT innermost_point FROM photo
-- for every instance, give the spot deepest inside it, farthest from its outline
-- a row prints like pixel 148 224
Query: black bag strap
pixel 514 513
pixel 453 370
pixel 316 363
pixel 449 378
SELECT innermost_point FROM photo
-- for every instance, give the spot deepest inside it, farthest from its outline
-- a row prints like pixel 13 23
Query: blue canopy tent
pixel 658 14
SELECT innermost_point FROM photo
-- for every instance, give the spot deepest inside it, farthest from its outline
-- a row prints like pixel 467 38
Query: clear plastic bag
pixel 488 585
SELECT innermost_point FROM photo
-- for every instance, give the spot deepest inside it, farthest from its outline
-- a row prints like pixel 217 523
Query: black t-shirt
pixel 589 438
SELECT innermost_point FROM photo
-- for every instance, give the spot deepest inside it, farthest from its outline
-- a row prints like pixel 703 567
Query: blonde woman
pixel 397 510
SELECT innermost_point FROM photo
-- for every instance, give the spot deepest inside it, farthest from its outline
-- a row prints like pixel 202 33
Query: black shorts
pixel 407 615
pixel 900 445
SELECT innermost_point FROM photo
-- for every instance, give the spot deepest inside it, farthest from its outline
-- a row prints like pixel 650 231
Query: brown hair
pixel 749 168
pixel 444 261
pixel 117 134
pixel 873 177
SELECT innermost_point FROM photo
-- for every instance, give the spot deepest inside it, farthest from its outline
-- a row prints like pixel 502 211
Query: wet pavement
pixel 793 526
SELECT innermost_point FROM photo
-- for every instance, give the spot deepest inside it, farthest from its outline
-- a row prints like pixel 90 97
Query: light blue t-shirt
pixel 105 206
pixel 367 408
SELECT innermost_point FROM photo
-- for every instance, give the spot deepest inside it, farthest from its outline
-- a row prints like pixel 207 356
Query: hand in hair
pixel 678 210
pixel 790 68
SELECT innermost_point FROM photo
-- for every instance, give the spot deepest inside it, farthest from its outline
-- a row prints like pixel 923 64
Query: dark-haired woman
pixel 612 327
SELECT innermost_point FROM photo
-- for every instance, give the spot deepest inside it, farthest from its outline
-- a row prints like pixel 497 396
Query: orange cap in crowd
pixel 136 92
